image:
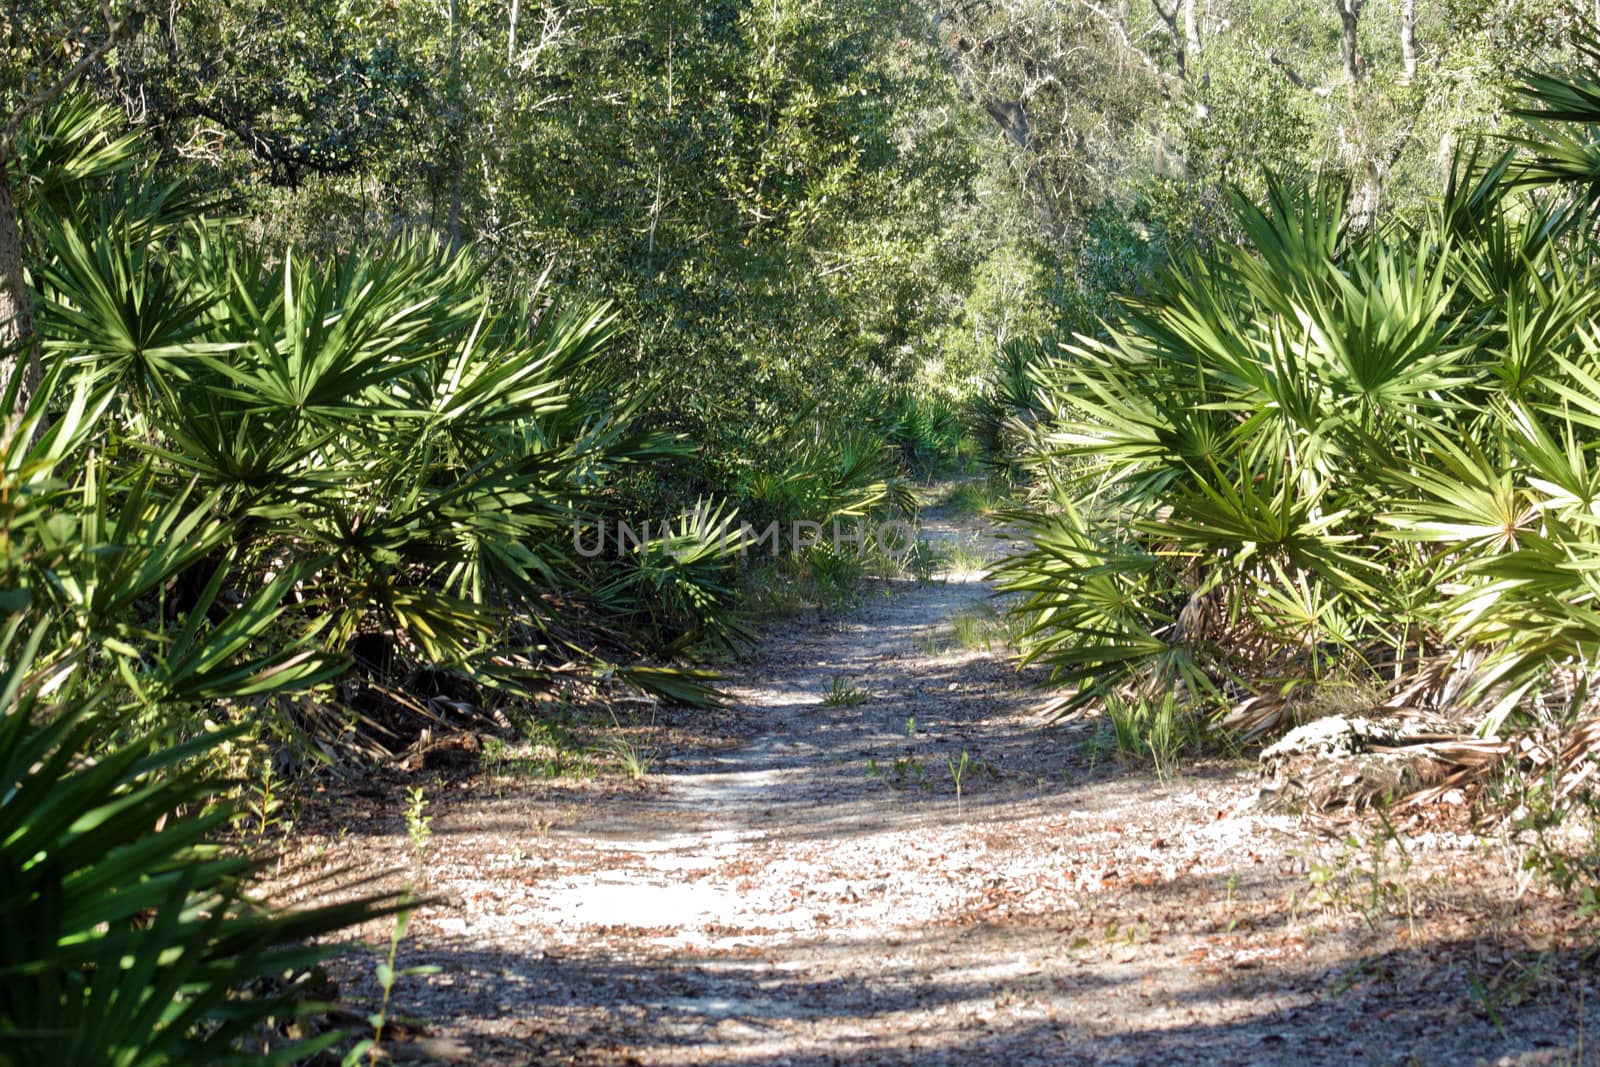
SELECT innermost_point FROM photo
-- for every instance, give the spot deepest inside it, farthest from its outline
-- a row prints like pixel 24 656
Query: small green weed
pixel 1517 980
pixel 634 759
pixel 1364 877
pixel 768 589
pixel 1160 731
pixel 923 561
pixel 1556 839
pixel 494 759
pixel 974 498
pixel 263 807
pixel 965 557
pixel 843 693
pixel 966 498
pixel 831 578
pixel 419 824
pixel 387 977
pixel 958 771
pixel 903 770
pixel 979 627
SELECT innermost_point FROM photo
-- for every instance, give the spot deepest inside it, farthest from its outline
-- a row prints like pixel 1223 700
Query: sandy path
pixel 812 892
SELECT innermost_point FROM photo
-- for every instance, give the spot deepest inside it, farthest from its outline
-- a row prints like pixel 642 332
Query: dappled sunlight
pixel 1029 992
pixel 819 892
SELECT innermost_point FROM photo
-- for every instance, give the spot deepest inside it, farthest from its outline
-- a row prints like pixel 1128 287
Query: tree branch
pixel 9 138
pixel 1295 79
pixel 1116 27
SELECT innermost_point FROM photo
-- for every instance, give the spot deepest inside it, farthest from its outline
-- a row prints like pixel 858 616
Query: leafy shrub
pixel 131 936
pixel 1341 453
pixel 928 430
pixel 676 591
pixel 375 433
pixel 1010 405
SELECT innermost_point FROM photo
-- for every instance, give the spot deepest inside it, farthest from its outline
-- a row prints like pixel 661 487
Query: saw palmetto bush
pixel 131 937
pixel 132 932
pixel 927 430
pixel 809 471
pixel 1008 409
pixel 1234 423
pixel 375 432
pixel 1342 456
pixel 252 484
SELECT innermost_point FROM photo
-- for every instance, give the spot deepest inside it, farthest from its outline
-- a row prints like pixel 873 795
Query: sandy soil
pixel 800 883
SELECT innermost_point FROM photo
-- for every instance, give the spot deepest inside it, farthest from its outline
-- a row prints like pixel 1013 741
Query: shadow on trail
pixel 1045 999
pixel 811 889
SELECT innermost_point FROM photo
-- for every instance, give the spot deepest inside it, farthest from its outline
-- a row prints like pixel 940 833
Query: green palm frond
pixel 132 936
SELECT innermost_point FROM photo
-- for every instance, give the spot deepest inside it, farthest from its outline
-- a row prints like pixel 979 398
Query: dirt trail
pixel 801 884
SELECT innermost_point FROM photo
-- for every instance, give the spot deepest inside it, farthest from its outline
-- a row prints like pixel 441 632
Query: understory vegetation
pixel 286 500
pixel 375 371
pixel 1344 468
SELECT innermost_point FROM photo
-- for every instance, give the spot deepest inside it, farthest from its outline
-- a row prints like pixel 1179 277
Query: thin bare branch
pixel 1295 79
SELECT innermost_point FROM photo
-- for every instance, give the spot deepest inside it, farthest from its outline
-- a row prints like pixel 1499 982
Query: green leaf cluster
pixel 1338 450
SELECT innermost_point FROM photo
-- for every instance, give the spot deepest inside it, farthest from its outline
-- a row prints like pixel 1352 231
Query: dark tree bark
pixel 1012 119
pixel 17 352
pixel 1180 38
pixel 1191 31
pixel 1349 21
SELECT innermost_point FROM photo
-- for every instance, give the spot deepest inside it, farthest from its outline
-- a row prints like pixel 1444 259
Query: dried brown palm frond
pixel 1436 683
pixel 1059 708
pixel 1578 760
pixel 1263 713
pixel 1466 763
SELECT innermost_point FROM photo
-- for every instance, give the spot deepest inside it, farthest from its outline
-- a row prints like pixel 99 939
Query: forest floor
pixel 799 881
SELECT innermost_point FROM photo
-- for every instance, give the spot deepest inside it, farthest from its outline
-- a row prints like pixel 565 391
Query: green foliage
pixel 762 191
pixel 842 693
pixel 1159 730
pixel 370 1048
pixel 675 591
pixel 132 937
pixel 979 627
pixel 928 432
pixel 1560 110
pixel 635 760
pixel 374 434
pixel 419 824
pixel 1066 88
pixel 1335 450
pixel 804 472
pixel 1008 408
pixel 958 771
pixel 975 497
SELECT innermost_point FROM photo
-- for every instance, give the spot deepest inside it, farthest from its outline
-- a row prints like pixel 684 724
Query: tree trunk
pixel 1408 40
pixel 1191 32
pixel 16 307
pixel 1364 205
pixel 456 151
pixel 1349 20
pixel 1182 42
